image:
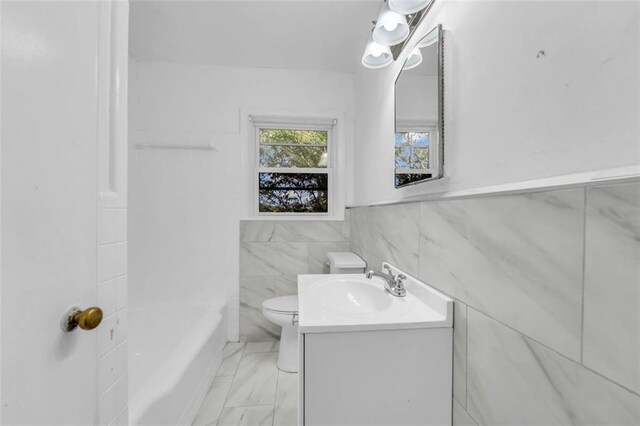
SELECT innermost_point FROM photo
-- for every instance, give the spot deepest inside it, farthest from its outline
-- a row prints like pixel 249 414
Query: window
pixel 294 170
pixel 412 155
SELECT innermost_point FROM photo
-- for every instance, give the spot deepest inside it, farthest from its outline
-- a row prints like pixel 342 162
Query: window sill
pixel 298 216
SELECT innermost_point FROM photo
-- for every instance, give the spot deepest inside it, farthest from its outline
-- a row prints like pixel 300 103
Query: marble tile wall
pixel 611 291
pixel 517 258
pixel 547 290
pixel 514 380
pixel 388 233
pixel 272 254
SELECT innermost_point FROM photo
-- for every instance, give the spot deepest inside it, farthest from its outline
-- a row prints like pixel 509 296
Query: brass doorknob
pixel 87 319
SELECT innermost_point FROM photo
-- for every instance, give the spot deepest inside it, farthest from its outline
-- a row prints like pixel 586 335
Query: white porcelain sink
pixel 355 303
pixel 351 295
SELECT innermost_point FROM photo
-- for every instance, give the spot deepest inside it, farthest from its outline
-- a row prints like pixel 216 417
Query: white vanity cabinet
pixel 369 358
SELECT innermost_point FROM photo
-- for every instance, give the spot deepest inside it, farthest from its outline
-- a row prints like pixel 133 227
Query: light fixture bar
pixel 413 21
pixel 407 7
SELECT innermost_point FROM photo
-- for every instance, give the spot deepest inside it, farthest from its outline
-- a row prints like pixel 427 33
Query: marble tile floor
pixel 249 390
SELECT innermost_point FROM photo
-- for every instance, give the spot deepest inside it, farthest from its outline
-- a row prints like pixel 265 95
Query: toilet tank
pixel 345 263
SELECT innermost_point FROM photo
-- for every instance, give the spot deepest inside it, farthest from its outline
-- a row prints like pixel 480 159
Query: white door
pixel 49 201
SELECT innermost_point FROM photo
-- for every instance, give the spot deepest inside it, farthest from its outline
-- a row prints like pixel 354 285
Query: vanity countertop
pixel 351 302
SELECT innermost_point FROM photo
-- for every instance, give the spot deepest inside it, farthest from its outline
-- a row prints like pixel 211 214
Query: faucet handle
pixel 399 279
pixel 387 268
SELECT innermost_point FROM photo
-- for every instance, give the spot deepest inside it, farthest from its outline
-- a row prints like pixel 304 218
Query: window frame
pixel 290 123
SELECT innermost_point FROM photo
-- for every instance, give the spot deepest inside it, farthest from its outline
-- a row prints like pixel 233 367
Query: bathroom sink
pixel 351 295
pixel 352 302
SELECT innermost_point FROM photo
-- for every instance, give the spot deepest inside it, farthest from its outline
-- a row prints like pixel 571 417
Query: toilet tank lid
pixel 345 260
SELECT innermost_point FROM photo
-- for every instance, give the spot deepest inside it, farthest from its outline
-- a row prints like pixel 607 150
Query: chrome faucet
pixel 393 284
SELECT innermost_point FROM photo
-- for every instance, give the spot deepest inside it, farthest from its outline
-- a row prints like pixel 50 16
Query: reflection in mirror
pixel 419 122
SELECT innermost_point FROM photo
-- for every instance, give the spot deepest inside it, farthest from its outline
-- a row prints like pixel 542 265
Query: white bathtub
pixel 175 350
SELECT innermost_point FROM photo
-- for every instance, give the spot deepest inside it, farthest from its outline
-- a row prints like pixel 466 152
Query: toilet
pixel 283 310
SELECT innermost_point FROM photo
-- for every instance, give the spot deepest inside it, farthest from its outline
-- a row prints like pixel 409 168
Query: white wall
pixel 511 116
pixel 185 206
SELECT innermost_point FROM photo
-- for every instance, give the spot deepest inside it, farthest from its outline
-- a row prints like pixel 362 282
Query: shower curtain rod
pixel 207 147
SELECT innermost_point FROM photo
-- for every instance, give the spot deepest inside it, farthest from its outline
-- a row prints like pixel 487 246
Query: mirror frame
pixel 440 121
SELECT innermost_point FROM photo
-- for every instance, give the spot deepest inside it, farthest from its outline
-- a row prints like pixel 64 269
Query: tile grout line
pixel 471 417
pixel 584 267
pixel 275 397
pixel 224 406
pixel 512 328
pixel 555 352
pixel 244 349
pixel 226 397
pixel 466 357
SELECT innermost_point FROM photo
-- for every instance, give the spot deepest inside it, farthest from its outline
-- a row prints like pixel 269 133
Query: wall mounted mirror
pixel 419 124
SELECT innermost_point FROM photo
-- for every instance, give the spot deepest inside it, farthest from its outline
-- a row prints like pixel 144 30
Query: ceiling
pixel 327 35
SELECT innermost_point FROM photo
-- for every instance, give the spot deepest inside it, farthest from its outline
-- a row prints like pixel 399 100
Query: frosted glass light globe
pixel 391 27
pixel 414 60
pixel 376 56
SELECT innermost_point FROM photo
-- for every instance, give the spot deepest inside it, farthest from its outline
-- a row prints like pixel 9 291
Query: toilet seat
pixel 282 305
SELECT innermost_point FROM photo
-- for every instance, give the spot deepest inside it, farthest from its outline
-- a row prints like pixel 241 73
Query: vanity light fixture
pixel 407 7
pixel 414 59
pixel 376 56
pixel 391 27
pixel 396 22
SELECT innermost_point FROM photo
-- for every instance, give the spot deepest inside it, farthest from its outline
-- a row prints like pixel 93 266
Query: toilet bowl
pixel 283 311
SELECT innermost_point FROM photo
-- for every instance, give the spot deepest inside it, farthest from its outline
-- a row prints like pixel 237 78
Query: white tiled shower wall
pixel 547 290
pixel 112 212
pixel 185 206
